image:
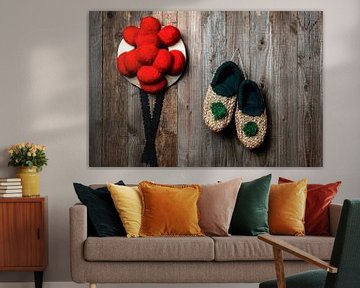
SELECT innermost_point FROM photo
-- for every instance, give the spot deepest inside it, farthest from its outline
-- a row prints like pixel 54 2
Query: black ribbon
pixel 151 124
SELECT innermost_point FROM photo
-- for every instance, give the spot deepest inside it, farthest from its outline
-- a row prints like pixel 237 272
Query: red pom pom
pixel 146 54
pixel 169 35
pixel 147 38
pixel 150 23
pixel 149 75
pixel 131 62
pixel 154 88
pixel 130 34
pixel 121 65
pixel 178 64
pixel 163 61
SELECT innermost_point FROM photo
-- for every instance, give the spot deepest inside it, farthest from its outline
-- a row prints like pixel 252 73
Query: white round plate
pixel 124 47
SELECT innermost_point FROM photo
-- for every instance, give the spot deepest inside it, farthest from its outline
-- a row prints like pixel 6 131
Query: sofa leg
pixel 92 285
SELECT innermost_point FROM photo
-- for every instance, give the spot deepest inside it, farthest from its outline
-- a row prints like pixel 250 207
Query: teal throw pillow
pixel 250 216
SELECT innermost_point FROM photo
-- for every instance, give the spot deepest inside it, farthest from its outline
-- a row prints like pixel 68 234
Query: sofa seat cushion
pixel 149 249
pixel 244 248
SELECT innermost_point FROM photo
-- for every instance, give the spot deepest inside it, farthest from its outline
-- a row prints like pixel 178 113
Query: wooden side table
pixel 23 235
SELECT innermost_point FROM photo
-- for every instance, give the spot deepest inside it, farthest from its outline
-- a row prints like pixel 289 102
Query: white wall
pixel 44 98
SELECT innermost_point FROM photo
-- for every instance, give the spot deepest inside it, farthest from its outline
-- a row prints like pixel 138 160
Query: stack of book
pixel 10 187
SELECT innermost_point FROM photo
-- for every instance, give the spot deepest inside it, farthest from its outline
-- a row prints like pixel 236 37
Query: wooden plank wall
pixel 281 51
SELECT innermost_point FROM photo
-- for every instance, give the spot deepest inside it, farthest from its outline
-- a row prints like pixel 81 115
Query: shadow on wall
pixel 44 77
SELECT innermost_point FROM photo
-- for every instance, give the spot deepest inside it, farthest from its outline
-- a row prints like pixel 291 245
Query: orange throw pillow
pixel 287 204
pixel 319 197
pixel 169 210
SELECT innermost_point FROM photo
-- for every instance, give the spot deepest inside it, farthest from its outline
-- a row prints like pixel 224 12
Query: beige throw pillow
pixel 216 206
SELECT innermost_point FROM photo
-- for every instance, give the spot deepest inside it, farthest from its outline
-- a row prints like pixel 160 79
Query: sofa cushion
pixel 127 201
pixel 102 216
pixel 250 216
pixel 169 210
pixel 149 249
pixel 287 204
pixel 318 199
pixel 216 206
pixel 244 248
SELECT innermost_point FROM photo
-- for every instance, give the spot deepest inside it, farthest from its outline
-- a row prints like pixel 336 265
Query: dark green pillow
pixel 250 216
pixel 103 218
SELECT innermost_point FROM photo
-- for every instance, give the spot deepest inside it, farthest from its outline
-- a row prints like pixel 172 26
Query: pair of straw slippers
pixel 228 94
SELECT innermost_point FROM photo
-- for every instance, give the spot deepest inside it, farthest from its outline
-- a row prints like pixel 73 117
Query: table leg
pixel 38 279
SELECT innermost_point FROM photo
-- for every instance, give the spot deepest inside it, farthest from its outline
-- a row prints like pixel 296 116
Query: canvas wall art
pixel 205 88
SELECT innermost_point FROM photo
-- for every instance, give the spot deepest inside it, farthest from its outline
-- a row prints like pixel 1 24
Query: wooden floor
pixel 281 51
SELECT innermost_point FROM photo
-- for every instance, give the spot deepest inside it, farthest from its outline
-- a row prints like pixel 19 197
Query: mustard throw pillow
pixel 127 201
pixel 169 210
pixel 287 204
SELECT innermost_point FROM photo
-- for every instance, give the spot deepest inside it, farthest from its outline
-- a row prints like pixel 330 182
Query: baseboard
pixel 74 285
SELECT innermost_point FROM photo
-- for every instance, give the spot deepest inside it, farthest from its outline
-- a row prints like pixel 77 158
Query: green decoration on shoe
pixel 250 129
pixel 223 88
pixel 250 108
pixel 219 111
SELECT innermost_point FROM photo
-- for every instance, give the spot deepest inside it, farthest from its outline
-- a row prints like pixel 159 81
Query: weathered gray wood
pixel 166 140
pixel 310 27
pixel 95 88
pixel 281 51
pixel 260 71
pixel 189 88
pixel 210 151
pixel 115 93
pixel 284 117
pixel 237 46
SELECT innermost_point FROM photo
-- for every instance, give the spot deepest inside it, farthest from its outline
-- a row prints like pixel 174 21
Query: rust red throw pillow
pixel 319 197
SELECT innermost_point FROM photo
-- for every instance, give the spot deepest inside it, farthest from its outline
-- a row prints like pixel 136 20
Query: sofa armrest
pixel 334 217
pixel 78 235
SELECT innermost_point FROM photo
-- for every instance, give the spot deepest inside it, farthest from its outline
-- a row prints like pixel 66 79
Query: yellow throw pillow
pixel 169 210
pixel 127 201
pixel 287 203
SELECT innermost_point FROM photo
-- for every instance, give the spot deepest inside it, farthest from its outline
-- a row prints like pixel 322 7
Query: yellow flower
pixel 11 151
pixel 28 154
pixel 41 147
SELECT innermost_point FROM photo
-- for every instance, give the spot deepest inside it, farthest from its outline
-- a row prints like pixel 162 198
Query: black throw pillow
pixel 103 217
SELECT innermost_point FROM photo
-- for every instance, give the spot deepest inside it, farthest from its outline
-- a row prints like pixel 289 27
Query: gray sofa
pixel 234 259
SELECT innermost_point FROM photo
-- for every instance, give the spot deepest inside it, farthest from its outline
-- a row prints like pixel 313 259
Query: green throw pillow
pixel 250 216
